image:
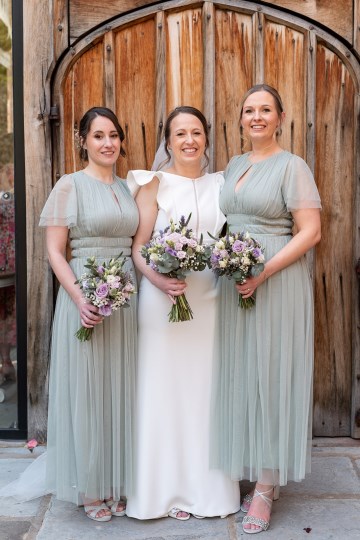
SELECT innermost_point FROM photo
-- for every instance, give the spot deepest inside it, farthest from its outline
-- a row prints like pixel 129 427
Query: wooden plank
pixel 333 294
pixel 86 14
pixel 37 61
pixel 160 82
pixel 60 20
pixel 284 48
pixel 135 63
pixel 109 70
pixel 356 26
pixel 234 60
pixel 184 59
pixel 333 14
pixel 258 25
pixel 355 404
pixel 310 56
pixel 85 90
pixel 208 17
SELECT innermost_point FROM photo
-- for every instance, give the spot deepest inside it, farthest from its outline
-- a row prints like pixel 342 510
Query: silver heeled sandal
pixel 245 505
pixel 247 500
pixel 261 523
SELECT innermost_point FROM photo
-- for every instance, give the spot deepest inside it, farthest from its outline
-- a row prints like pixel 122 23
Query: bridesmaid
pixel 262 390
pixel 90 424
pixel 175 359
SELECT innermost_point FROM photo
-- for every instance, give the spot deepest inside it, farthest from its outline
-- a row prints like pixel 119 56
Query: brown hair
pixel 185 109
pixel 85 126
pixel 266 88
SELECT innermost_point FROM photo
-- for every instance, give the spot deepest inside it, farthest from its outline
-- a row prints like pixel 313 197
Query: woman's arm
pixel 146 200
pixel 308 227
pixel 56 239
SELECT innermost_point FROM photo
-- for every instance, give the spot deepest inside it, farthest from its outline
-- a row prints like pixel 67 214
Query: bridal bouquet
pixel 176 252
pixel 237 256
pixel 106 286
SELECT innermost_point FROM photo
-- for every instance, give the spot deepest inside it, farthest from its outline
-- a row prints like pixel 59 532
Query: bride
pixel 175 359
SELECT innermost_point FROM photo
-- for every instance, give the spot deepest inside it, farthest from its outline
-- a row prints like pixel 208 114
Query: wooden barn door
pixel 207 55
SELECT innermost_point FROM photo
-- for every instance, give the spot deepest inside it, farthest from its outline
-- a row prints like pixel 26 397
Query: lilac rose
pixel 238 246
pixel 102 290
pixel 105 310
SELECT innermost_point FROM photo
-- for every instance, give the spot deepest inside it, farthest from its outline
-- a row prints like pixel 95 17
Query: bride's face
pixel 187 139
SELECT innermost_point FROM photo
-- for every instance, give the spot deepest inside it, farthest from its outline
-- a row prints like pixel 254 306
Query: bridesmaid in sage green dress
pixel 263 373
pixel 91 395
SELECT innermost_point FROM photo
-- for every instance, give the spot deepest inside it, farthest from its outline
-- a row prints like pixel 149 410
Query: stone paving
pixel 326 506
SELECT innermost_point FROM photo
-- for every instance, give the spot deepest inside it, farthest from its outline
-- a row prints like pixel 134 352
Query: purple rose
pixel 105 310
pixel 170 251
pixel 238 246
pixel 100 269
pixel 102 290
pixel 257 252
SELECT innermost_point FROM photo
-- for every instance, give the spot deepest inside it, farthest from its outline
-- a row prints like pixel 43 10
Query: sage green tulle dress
pixel 91 394
pixel 262 391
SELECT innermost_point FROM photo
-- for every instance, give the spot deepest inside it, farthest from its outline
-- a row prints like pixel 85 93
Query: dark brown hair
pixel 85 126
pixel 185 109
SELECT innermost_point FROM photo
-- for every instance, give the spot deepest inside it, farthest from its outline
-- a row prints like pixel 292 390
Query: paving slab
pixel 311 519
pixel 326 506
pixel 74 525
pixel 10 469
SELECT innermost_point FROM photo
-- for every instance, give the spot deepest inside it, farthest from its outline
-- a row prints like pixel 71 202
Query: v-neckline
pixel 237 188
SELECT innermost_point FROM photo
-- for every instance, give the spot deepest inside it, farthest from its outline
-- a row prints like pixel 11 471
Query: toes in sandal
pixel 114 507
pixel 261 524
pixel 174 514
pixel 92 510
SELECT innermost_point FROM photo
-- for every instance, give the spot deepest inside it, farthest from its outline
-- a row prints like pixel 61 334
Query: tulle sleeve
pixel 136 179
pixel 61 207
pixel 299 189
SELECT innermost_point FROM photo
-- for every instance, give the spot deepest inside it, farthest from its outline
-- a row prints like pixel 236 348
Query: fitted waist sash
pixel 100 246
pixel 256 225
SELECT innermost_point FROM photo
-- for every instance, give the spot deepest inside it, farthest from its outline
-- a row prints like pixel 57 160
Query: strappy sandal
pixel 245 505
pixel 174 514
pixel 261 523
pixel 114 505
pixel 92 510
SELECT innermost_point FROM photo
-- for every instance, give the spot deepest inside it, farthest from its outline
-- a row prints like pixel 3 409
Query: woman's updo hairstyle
pixel 85 126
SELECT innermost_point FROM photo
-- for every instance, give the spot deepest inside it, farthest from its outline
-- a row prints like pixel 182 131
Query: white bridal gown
pixel 175 372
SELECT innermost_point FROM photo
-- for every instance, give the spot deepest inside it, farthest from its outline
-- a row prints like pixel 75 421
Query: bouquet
pixel 175 252
pixel 237 256
pixel 106 286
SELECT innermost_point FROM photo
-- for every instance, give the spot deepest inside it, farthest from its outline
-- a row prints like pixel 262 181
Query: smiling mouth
pixel 189 150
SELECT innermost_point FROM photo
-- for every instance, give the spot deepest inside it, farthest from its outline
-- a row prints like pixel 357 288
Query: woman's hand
pixel 89 314
pixel 250 285
pixel 171 286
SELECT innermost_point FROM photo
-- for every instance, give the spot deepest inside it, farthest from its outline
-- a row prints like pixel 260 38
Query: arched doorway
pixel 204 54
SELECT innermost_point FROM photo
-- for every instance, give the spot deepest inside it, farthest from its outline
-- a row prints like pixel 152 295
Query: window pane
pixel 8 361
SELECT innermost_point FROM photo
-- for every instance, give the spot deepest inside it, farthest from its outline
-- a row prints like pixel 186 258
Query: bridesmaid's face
pixel 102 142
pixel 260 118
pixel 187 139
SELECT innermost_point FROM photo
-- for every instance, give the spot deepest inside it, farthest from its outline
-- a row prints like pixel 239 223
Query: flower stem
pixel 84 334
pixel 246 303
pixel 181 310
